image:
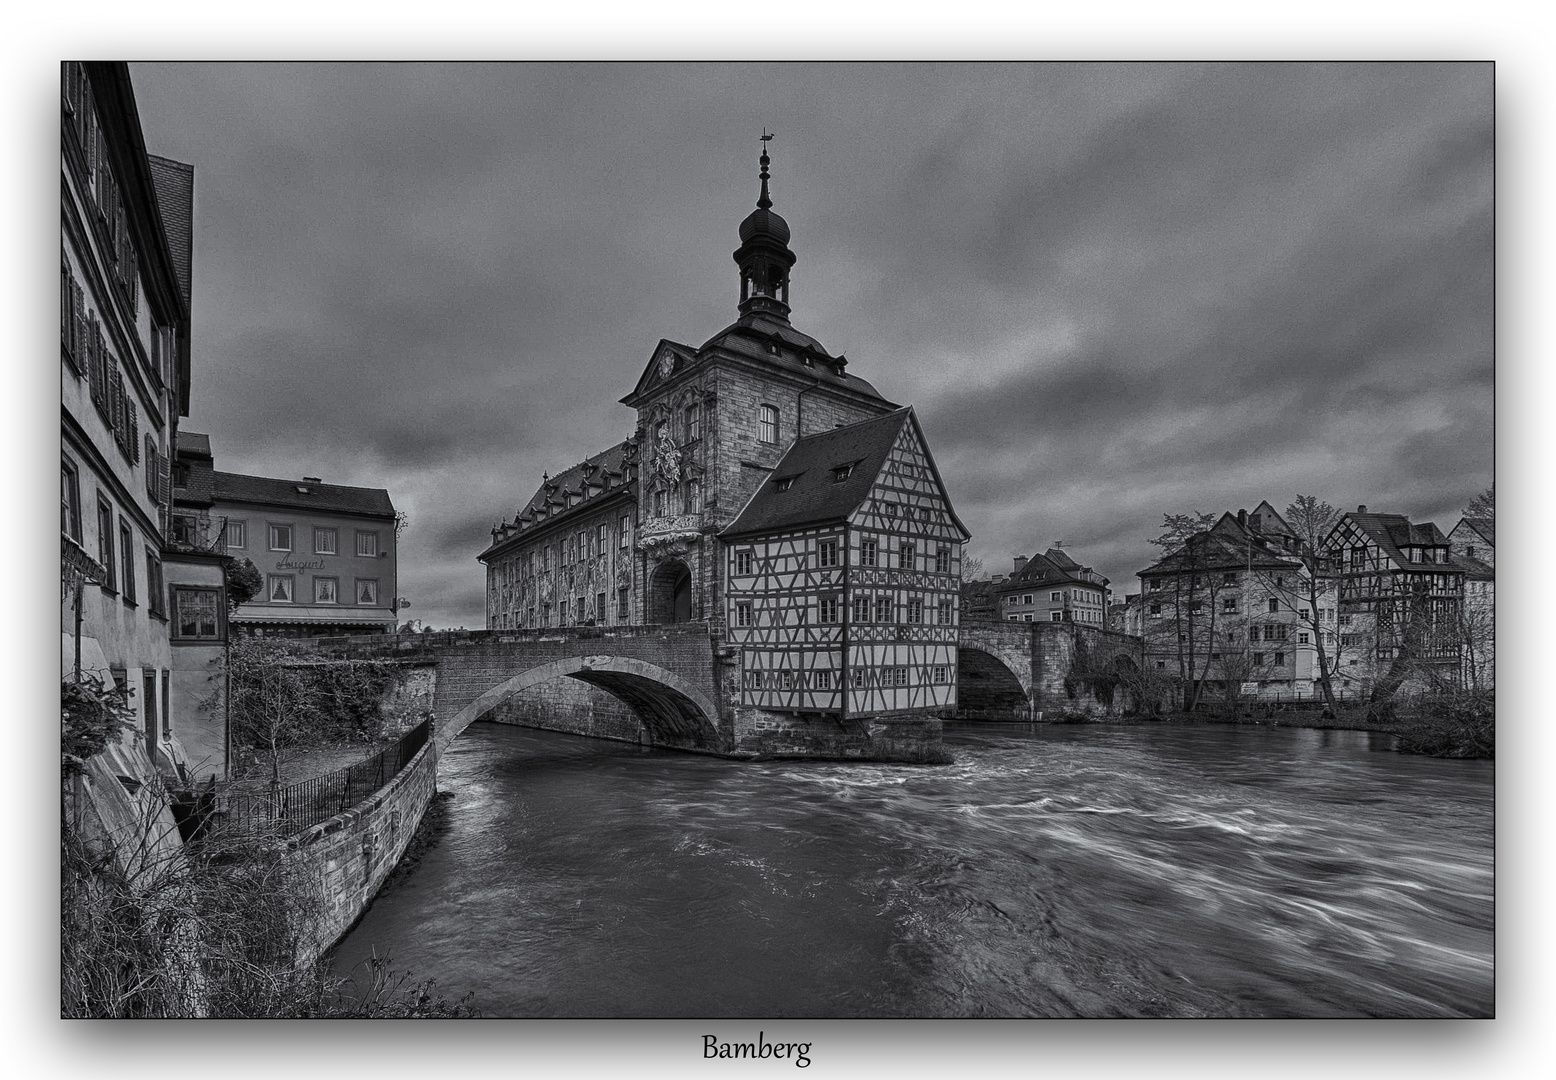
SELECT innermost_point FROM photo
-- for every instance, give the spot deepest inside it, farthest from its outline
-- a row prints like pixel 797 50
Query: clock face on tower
pixel 666 365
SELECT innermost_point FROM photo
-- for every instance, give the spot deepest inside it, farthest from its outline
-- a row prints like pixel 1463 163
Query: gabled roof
pixel 1051 568
pixel 1485 527
pixel 814 497
pixel 1226 545
pixel 1390 532
pixel 1475 569
pixel 174 184
pixel 753 336
pixel 301 494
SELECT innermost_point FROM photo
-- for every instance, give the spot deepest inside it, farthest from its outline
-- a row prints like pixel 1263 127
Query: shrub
pixel 92 715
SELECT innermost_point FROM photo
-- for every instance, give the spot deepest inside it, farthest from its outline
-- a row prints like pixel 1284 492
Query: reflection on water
pixel 1052 871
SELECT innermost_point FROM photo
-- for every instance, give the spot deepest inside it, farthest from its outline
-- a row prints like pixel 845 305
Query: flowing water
pixel 1052 871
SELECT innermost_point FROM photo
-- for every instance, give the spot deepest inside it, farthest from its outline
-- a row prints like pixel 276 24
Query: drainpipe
pixel 799 408
pixel 848 620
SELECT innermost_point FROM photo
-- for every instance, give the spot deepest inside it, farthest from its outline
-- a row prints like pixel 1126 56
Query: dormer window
pixel 784 483
pixel 840 472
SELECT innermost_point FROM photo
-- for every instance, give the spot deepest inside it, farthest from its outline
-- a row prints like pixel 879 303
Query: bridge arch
pixel 989 687
pixel 674 711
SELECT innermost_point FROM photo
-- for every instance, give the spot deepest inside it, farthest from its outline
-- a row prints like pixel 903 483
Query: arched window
pixel 767 424
pixel 693 497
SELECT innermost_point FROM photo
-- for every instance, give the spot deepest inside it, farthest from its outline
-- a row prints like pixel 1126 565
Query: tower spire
pixel 765 202
pixel 764 257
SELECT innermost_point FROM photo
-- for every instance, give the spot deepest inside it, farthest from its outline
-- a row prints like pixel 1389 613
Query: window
pixel 1274 604
pixel 905 555
pixel 280 538
pixel 1156 609
pixel 826 609
pixel 625 539
pixel 867 553
pixel 602 539
pixel 822 679
pixel 279 589
pixel 367 544
pixel 942 560
pixel 943 613
pixel 105 543
pixel 1156 584
pixel 1303 613
pixel 583 612
pixel 767 424
pixel 889 509
pixel 236 534
pixel 742 562
pixel 786 679
pixel 1056 616
pixel 826 553
pixel 367 590
pixel 185 528
pixel 1302 639
pixel 840 473
pixel 916 611
pixel 599 606
pixel 883 608
pixel 942 674
pixel 743 614
pixel 196 613
pixel 693 422
pixel 894 676
pixel 1053 597
pixel 1195 605
pixel 167 723
pixel 1229 579
pixel 127 549
pixel 1229 603
pixel 324 541
pixel 69 501
pixel 784 483
pixel 861 609
pixel 659 503
pixel 326 590
pixel 857 678
pixel 622 601
pixel 1280 659
pixel 154 587
pixel 1258 658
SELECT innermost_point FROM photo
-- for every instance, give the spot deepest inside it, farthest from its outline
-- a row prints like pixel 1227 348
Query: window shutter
pixel 165 481
pixel 134 434
pixel 66 316
pixel 78 346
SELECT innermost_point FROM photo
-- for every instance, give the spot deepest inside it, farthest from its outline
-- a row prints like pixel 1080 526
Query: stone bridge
pixel 1042 670
pixel 659 682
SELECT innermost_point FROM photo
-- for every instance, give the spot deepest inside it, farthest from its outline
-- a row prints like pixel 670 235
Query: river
pixel 1090 870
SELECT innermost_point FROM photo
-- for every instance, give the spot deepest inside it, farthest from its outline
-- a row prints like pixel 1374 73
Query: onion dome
pixel 764 257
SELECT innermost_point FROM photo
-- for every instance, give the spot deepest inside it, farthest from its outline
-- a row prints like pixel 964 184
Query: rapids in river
pixel 1087 870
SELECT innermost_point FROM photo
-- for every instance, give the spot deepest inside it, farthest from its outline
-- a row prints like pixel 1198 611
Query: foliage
pixel 972 568
pixel 1453 725
pixel 244 582
pixel 1483 505
pixel 92 715
pixel 281 697
pixel 215 929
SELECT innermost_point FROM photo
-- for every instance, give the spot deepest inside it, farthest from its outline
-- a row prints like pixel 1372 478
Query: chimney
pixel 1362 509
pixel 1021 560
pixel 1242 517
pixel 312 480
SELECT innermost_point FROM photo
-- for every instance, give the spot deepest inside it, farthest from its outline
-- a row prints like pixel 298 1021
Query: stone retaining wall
pixel 352 853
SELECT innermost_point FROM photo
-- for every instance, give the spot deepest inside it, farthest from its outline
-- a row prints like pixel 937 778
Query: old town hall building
pixel 766 491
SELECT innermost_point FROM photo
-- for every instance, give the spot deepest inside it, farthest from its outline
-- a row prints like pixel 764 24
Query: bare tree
pixel 1483 505
pixel 1185 541
pixel 1309 588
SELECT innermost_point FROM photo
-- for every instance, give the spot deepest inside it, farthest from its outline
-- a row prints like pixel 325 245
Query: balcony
pixel 186 532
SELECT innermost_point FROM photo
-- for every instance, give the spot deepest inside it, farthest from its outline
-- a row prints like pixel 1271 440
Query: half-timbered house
pixel 844 571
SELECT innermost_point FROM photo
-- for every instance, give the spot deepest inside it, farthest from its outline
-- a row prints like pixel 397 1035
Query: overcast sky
pixel 1111 292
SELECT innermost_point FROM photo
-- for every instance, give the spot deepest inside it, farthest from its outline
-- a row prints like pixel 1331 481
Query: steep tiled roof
pixel 1486 527
pixel 1474 569
pixel 1394 531
pixel 193 443
pixel 1051 567
pixel 582 485
pixel 174 183
pixel 814 496
pixel 336 498
pixel 1226 545
pixel 752 333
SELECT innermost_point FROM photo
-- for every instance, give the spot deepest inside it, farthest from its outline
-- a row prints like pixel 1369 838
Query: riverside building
pixel 125 231
pixel 640 533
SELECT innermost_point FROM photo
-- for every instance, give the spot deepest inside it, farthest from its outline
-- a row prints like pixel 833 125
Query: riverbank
pixel 1451 731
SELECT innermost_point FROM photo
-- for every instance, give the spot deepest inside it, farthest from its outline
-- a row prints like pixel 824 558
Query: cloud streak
pixel 1111 291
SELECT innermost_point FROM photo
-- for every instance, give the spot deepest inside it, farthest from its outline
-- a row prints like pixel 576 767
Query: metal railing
pixel 299 806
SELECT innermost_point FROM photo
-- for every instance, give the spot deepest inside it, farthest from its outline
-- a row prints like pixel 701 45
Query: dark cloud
pixel 1111 291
